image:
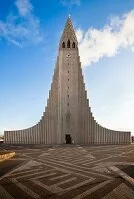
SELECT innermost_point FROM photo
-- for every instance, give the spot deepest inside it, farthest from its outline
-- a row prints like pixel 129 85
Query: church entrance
pixel 68 139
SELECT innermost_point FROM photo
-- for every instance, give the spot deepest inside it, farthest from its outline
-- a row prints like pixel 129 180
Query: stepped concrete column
pixel 31 137
pixel 13 137
pixel 111 136
pixel 28 136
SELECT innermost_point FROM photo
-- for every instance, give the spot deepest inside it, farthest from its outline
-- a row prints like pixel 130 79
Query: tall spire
pixel 67 117
pixel 68 32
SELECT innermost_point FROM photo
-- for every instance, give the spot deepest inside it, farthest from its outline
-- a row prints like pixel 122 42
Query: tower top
pixel 68 33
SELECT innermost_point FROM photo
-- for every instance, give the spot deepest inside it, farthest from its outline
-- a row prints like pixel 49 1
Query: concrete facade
pixel 67 117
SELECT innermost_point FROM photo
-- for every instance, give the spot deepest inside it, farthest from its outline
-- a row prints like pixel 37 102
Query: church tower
pixel 67 117
pixel 70 88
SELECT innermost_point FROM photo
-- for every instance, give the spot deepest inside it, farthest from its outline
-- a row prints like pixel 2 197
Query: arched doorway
pixel 68 139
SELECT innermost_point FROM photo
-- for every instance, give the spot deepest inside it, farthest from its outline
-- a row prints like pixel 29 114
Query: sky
pixel 30 31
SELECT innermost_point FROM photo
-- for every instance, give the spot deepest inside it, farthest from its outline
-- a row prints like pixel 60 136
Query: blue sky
pixel 30 31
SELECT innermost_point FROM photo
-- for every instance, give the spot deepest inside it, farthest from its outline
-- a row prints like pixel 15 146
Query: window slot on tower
pixel 68 103
pixel 68 95
pixel 63 44
pixel 73 45
pixel 68 71
pixel 68 80
pixel 68 44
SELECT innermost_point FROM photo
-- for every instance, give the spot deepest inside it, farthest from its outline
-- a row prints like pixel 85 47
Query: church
pixel 67 118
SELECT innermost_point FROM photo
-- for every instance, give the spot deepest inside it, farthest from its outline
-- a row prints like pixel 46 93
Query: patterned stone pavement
pixel 66 172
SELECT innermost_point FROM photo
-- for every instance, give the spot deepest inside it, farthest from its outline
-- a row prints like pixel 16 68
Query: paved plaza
pixel 66 172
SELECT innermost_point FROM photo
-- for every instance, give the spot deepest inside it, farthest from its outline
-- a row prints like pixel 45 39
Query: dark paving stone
pixel 45 194
pixel 100 193
pixel 128 169
pixel 14 190
pixel 8 165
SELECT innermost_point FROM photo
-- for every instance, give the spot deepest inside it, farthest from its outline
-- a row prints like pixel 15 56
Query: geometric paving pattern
pixel 66 172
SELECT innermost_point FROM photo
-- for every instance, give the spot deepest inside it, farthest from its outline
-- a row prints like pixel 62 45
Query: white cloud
pixel 24 7
pixel 70 3
pixel 21 29
pixel 95 44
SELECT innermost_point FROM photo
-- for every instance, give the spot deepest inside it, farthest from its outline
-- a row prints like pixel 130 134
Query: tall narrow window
pixel 68 122
pixel 73 45
pixel 63 44
pixel 68 44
